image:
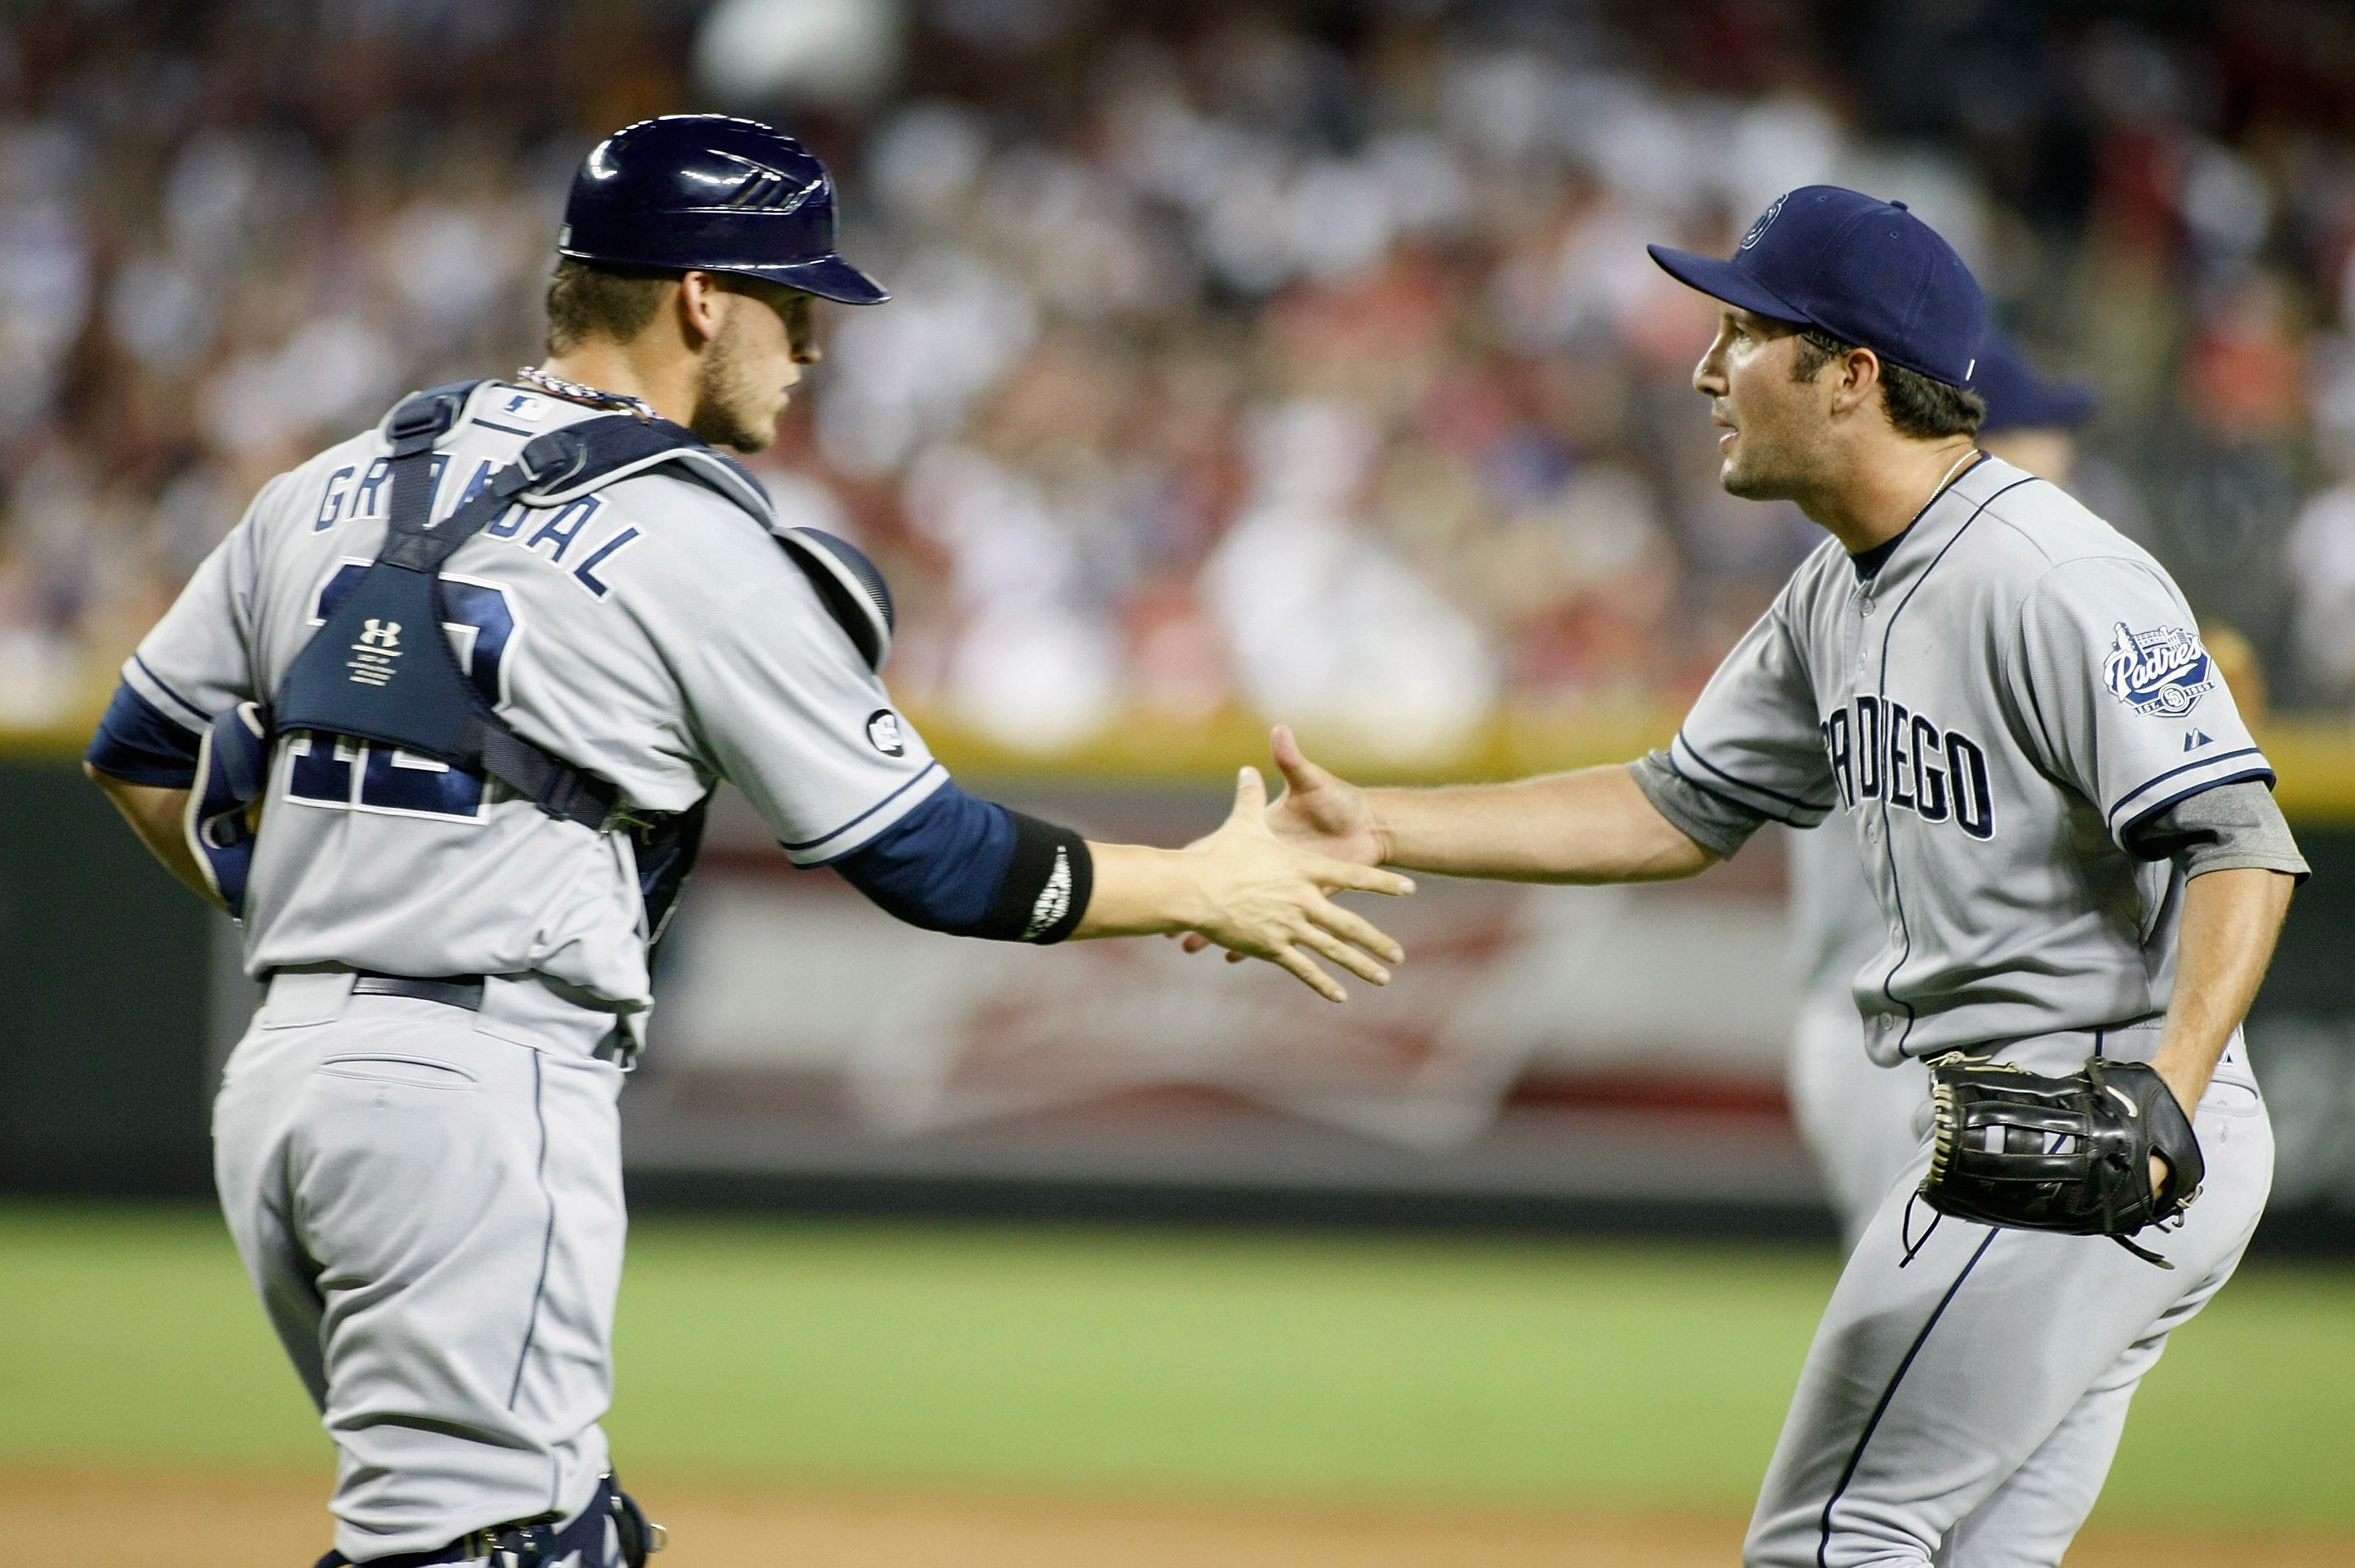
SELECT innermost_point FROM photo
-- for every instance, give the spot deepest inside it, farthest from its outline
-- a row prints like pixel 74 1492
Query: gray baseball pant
pixel 1963 1409
pixel 1862 1121
pixel 428 1201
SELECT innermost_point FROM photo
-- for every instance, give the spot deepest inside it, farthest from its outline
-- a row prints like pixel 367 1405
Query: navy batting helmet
pixel 711 193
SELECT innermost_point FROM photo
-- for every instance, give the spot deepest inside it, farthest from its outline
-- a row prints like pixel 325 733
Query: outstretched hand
pixel 1266 899
pixel 1319 812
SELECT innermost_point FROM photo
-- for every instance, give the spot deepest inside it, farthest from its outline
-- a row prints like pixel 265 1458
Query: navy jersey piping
pixel 1888 840
pixel 1823 1549
pixel 1796 805
pixel 1716 794
pixel 204 720
pixel 810 843
pixel 2154 782
pixel 547 1240
pixel 2263 775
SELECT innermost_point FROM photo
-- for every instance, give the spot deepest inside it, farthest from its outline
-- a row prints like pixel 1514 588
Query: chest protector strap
pixel 382 670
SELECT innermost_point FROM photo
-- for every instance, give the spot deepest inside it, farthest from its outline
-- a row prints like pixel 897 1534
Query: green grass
pixel 1159 1364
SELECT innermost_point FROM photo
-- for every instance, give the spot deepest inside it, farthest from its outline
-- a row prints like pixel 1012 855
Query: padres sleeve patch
pixel 2160 673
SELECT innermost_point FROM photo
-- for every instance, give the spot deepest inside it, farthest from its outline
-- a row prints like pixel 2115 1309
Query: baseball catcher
pixel 440 720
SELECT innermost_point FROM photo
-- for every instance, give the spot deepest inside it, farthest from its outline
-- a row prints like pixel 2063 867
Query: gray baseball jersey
pixel 1862 1121
pixel 1836 925
pixel 1995 708
pixel 651 632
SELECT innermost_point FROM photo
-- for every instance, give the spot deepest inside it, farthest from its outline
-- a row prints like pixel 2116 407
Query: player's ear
pixel 702 304
pixel 1859 381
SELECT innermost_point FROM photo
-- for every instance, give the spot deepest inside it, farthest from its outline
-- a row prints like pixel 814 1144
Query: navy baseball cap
pixel 2020 399
pixel 711 193
pixel 1867 271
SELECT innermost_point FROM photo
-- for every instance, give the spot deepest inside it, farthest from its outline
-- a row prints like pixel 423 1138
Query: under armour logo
pixel 372 655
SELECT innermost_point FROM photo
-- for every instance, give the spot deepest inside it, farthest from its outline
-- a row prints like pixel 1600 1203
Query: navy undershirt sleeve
pixel 972 868
pixel 941 866
pixel 136 743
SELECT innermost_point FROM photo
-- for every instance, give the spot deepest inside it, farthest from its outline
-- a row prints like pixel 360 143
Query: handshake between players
pixel 1249 891
pixel 473 843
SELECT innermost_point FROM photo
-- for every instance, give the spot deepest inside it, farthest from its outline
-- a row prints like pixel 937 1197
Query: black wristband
pixel 1046 885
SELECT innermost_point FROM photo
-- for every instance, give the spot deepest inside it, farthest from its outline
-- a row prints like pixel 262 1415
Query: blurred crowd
pixel 1303 360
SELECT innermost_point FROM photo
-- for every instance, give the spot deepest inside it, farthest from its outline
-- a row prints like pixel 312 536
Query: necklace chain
pixel 595 397
pixel 1949 477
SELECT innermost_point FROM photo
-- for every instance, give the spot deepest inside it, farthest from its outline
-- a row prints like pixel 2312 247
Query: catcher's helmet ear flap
pixel 854 592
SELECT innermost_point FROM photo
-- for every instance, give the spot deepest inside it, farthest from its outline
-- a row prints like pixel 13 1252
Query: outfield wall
pixel 1551 1057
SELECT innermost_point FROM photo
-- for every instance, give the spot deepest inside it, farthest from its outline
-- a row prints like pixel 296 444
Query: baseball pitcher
pixel 2077 871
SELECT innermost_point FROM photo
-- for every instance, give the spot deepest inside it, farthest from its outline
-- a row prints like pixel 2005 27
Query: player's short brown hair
pixel 601 299
pixel 1918 406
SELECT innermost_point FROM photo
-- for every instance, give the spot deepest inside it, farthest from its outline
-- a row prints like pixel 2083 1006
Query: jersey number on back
pixel 355 775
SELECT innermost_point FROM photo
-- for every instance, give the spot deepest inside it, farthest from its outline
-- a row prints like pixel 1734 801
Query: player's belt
pixel 451 990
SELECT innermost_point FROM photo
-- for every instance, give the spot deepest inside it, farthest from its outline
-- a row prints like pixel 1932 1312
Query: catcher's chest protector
pixel 382 670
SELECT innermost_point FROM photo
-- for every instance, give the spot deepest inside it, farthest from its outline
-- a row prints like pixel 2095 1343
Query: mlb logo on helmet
pixel 2162 673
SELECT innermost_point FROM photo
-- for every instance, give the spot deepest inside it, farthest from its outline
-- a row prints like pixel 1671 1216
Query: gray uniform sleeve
pixel 2228 828
pixel 1719 823
pixel 2121 700
pixel 198 661
pixel 789 712
pixel 1753 739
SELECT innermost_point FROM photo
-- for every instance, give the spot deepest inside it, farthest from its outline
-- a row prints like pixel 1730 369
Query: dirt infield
pixel 189 1522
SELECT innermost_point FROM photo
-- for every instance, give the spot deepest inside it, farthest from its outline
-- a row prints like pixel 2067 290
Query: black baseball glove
pixel 2015 1148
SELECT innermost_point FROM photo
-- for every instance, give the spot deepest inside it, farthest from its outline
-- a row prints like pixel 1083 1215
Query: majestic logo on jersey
pixel 371 663
pixel 2162 673
pixel 1765 220
pixel 1883 750
pixel 883 732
